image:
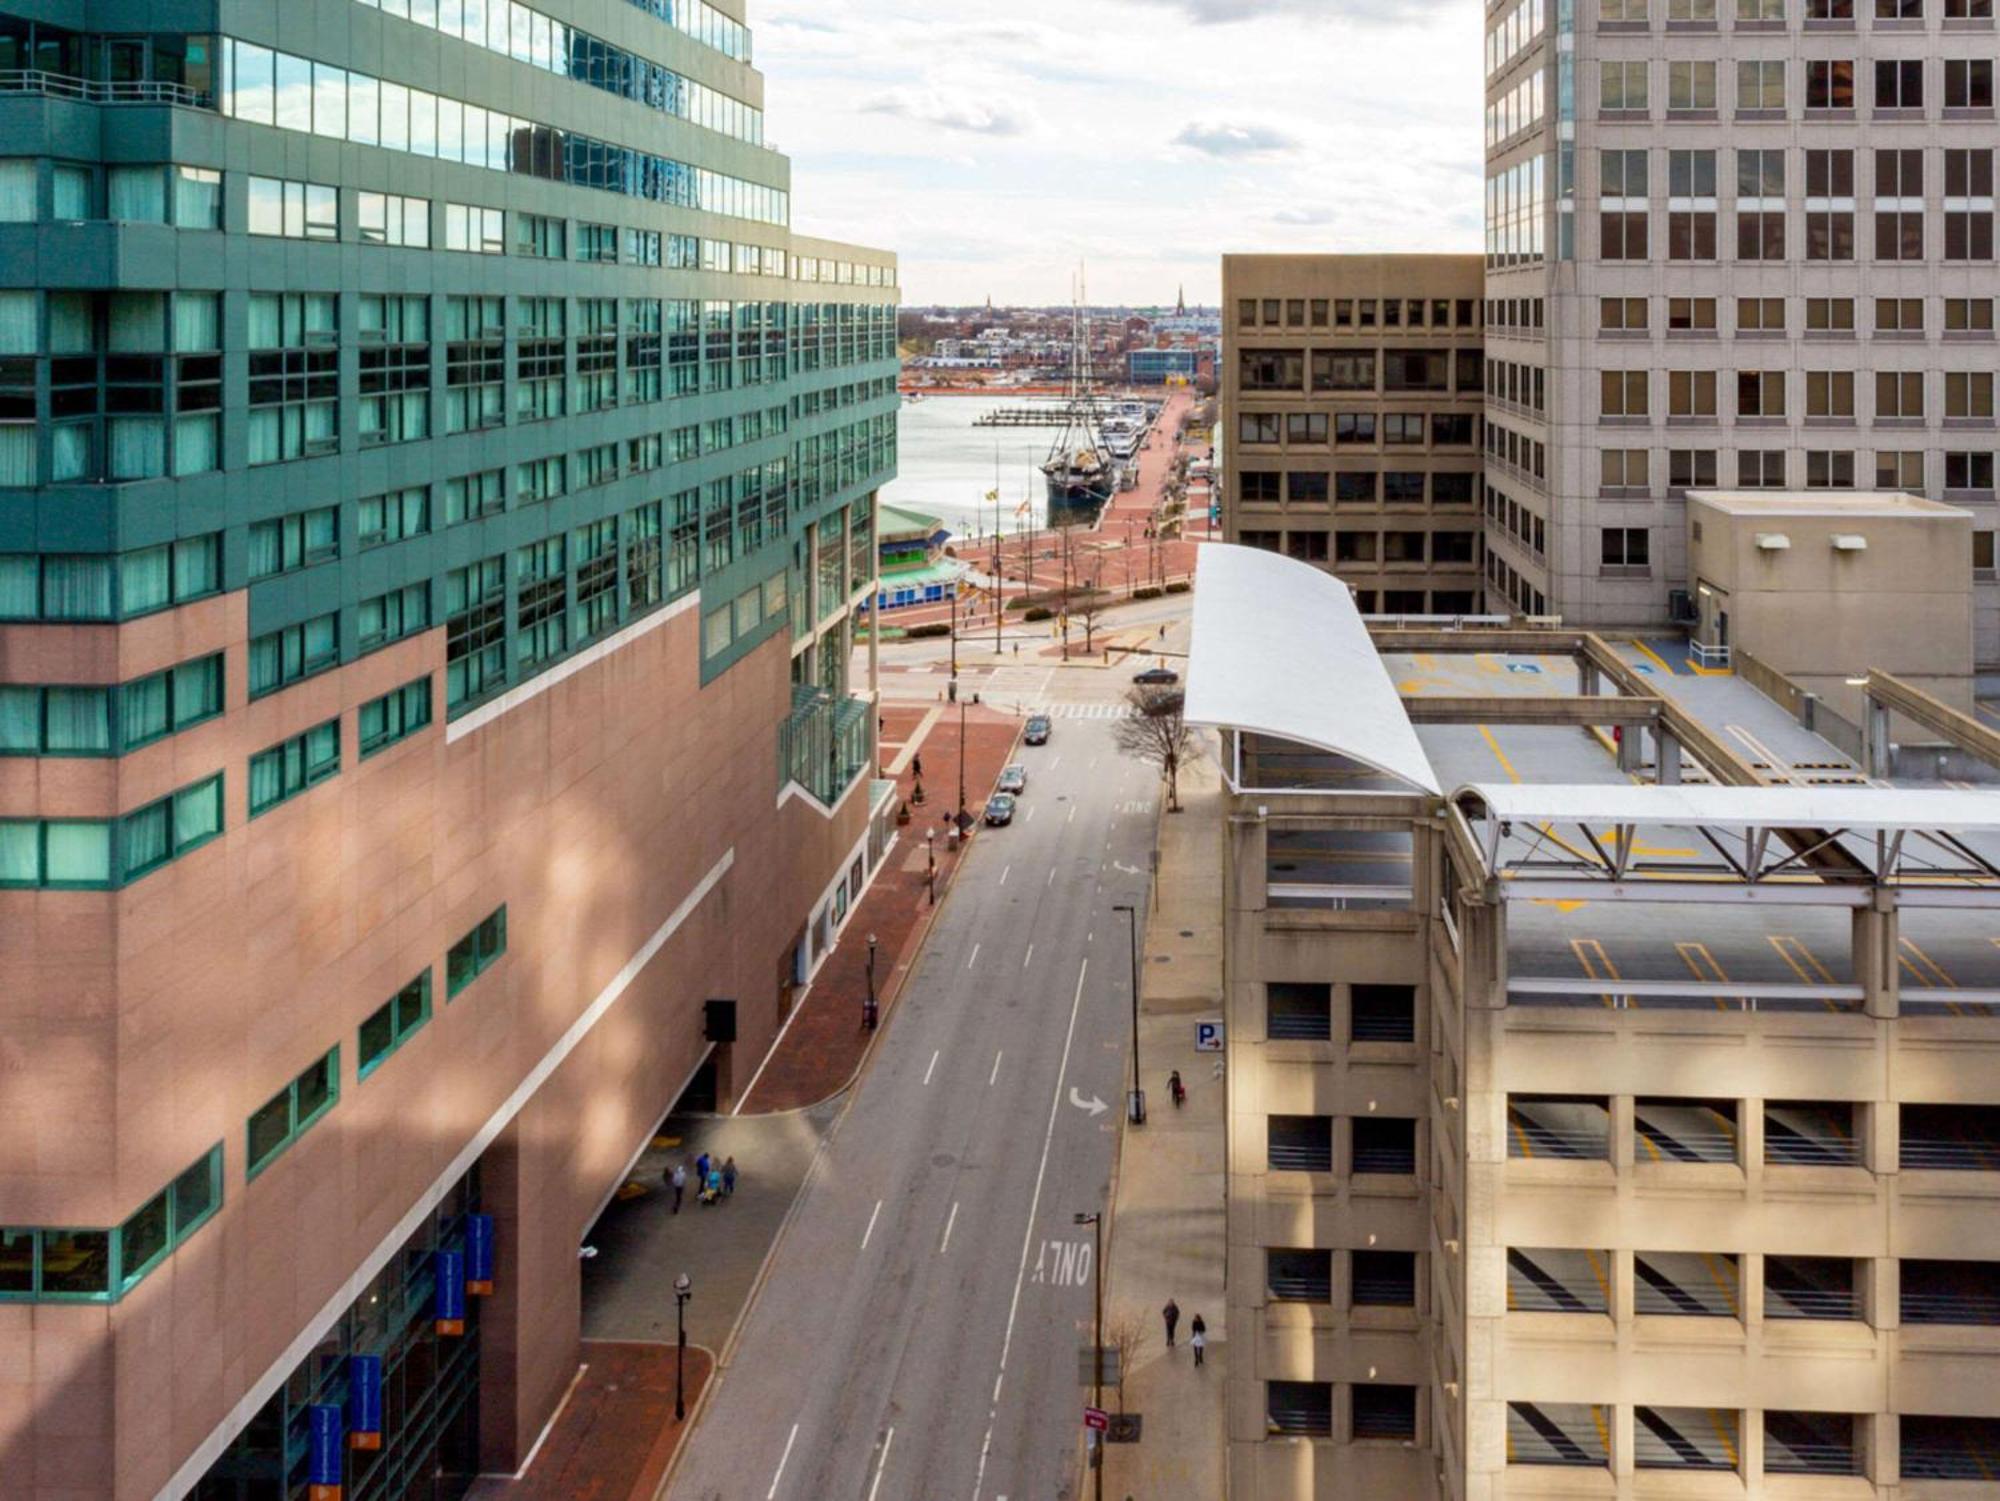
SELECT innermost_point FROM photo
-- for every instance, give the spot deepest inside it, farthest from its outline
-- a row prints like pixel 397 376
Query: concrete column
pixel 1586 678
pixel 1631 748
pixel 1875 931
pixel 1875 737
pixel 1667 760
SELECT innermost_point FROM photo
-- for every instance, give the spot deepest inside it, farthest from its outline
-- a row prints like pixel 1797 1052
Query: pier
pixel 1046 416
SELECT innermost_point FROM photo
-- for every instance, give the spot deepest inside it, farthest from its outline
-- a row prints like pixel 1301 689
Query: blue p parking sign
pixel 1208 1037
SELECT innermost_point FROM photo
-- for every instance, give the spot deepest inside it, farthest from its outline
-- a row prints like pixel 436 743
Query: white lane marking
pixel 933 1065
pixel 945 1244
pixel 1052 877
pixel 1053 764
pixel 873 1215
pixel 782 1458
pixel 1072 814
pixel 1027 956
pixel 996 1068
pixel 1006 873
pixel 887 1439
pixel 1031 816
pixel 974 959
pixel 1028 1234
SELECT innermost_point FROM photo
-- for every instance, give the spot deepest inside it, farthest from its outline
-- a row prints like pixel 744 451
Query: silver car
pixel 1014 779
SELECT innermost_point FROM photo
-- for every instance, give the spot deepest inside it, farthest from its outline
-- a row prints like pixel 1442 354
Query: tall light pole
pixel 961 767
pixel 868 1009
pixel 930 863
pixel 683 1290
pixel 1096 1223
pixel 1136 1106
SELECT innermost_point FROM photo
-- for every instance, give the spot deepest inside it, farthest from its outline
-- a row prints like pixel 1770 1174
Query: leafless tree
pixel 1127 1335
pixel 1158 734
pixel 1085 604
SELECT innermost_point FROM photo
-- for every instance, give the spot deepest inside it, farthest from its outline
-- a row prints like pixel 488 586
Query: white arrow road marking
pixel 1094 1105
pixel 1130 870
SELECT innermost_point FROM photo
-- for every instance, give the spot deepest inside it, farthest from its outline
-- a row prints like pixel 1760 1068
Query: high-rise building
pixel 1351 397
pixel 437 482
pixel 1611 1108
pixel 1730 243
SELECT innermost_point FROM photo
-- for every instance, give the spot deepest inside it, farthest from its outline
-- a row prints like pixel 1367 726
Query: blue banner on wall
pixel 451 1292
pixel 323 1464
pixel 479 1254
pixel 364 1401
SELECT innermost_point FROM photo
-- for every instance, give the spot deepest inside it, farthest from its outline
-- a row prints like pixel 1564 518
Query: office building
pixel 1736 244
pixel 1349 436
pixel 436 483
pixel 1611 1100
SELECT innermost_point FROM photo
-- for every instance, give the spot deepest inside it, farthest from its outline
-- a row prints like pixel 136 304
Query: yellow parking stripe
pixel 1705 966
pixel 1804 963
pixel 1596 964
pixel 1928 973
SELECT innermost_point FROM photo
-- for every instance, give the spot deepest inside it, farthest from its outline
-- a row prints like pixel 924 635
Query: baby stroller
pixel 711 1188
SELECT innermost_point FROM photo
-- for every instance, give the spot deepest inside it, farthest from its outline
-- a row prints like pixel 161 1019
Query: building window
pixel 1900 470
pixel 1385 1013
pixel 1764 315
pixel 104 721
pixel 386 618
pixel 293 1110
pixel 1830 395
pixel 1760 86
pixel 1385 1144
pixel 1622 87
pixel 293 653
pixel 289 543
pixel 1300 1409
pixel 1968 83
pixel 597 242
pixel 294 376
pixel 596 549
pixel 290 767
pixel 293 210
pixel 103 854
pixel 1622 394
pixel 72 1265
pixel 391 219
pixel 1830 84
pixel 1760 469
pixel 1969 316
pixel 1968 205
pixel 1829 469
pixel 1383 1411
pixel 541 360
pixel 541 479
pixel 394 517
pixel 395 716
pixel 476 230
pixel 1691 394
pixel 541 236
pixel 394 333
pixel 477 951
pixel 1968 471
pixel 1899 395
pixel 1968 395
pixel 475 368
pixel 1299 1276
pixel 1690 88
pixel 392 1024
pixel 596 354
pixel 1830 315
pixel 644 350
pixel 1558 1281
pixel 1300 1143
pixel 197 198
pixel 1760 393
pixel 475 646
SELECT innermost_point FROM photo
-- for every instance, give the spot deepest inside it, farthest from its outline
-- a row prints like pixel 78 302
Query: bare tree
pixel 1086 604
pixel 1158 734
pixel 1127 1335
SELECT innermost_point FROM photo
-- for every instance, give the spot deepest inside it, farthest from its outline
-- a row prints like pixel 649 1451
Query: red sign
pixel 1097 1418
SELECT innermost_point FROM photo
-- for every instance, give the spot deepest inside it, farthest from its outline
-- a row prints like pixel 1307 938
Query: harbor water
pixel 945 464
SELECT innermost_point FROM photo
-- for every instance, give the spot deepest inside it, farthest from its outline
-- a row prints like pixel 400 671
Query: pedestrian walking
pixel 1177 1089
pixel 1198 1340
pixel 679 1179
pixel 729 1175
pixel 917 765
pixel 1172 1314
pixel 701 1165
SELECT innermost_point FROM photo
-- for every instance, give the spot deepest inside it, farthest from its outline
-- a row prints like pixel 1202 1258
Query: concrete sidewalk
pixel 1168 1235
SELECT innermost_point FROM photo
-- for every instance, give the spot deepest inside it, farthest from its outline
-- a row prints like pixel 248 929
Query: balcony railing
pixel 1945 1448
pixel 94 91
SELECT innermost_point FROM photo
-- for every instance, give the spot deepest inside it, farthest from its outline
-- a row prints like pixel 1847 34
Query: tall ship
pixel 1080 471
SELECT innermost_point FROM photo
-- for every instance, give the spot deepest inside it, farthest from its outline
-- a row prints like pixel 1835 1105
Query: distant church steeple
pixel 1180 304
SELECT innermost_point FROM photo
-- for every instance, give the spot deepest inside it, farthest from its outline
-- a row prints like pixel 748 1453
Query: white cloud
pixel 947 112
pixel 1222 138
pixel 993 149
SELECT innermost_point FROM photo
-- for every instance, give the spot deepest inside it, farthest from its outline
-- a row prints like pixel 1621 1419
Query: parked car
pixel 1014 779
pixel 1156 677
pixel 1037 732
pixel 999 809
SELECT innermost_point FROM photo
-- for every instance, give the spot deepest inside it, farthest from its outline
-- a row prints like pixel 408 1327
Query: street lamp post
pixel 683 1290
pixel 961 767
pixel 1096 1223
pixel 868 1009
pixel 930 864
pixel 1136 1106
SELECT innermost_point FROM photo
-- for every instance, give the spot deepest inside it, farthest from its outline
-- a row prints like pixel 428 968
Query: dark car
pixel 1156 677
pixel 1037 732
pixel 999 809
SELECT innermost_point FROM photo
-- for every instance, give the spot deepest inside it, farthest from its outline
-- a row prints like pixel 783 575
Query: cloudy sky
pixel 993 143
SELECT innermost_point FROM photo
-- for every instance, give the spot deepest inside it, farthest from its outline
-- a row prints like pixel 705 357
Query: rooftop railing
pixel 96 91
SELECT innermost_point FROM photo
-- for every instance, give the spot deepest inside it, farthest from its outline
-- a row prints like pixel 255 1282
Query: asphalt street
pixel 917 1336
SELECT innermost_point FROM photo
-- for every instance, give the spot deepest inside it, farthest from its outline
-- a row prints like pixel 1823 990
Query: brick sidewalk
pixel 823 1043
pixel 615 1433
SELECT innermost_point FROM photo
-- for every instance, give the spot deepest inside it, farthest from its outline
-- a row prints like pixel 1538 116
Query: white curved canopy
pixel 1279 649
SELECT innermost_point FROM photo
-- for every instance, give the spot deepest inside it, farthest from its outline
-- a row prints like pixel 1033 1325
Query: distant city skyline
pixel 995 151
